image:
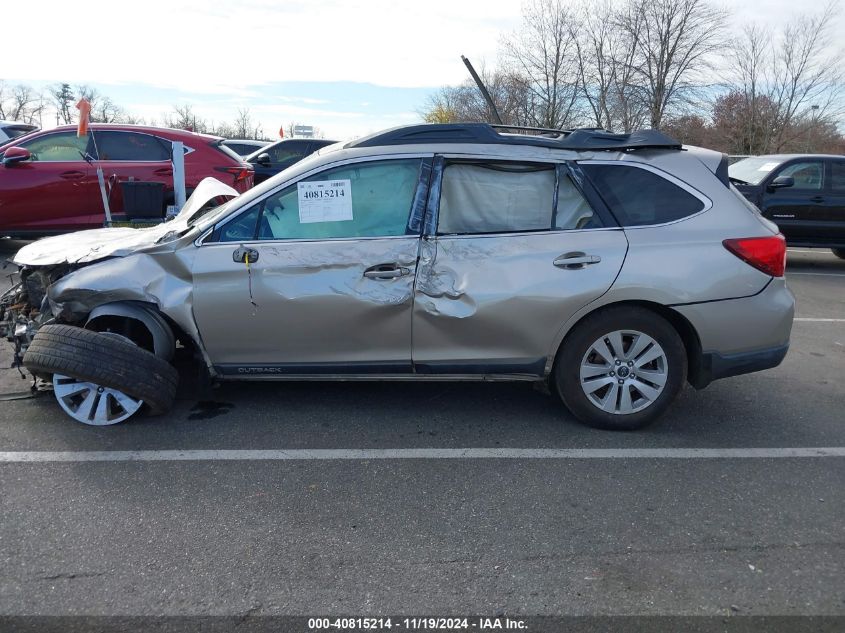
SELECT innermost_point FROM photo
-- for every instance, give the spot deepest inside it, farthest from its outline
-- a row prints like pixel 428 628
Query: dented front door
pixel 328 289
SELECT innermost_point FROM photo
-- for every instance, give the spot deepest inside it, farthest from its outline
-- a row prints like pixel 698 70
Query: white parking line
pixel 814 320
pixel 415 453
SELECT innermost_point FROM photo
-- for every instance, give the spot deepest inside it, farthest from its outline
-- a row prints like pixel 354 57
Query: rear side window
pixel 638 197
pixel 837 176
pixel 499 197
pixel 130 146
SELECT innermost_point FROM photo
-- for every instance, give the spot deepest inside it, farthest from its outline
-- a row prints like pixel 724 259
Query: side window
pixel 837 176
pixel 241 229
pixel 62 146
pixel 360 200
pixel 288 151
pixel 495 197
pixel 499 197
pixel 130 146
pixel 638 197
pixel 572 210
pixel 808 175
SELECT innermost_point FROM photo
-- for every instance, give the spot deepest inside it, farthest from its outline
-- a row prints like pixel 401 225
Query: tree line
pixel 674 65
pixel 23 103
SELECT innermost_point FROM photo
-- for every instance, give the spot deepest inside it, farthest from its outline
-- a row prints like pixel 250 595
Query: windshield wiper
pixel 737 181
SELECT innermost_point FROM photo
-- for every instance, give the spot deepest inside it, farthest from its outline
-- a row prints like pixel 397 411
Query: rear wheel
pixel 621 368
pixel 839 252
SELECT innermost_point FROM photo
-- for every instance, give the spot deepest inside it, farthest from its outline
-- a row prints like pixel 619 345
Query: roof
pixel 133 126
pixel 484 133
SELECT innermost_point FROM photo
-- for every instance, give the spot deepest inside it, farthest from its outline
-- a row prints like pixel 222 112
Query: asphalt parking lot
pixel 662 531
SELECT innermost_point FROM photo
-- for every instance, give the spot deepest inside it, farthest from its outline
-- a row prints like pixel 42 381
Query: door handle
pixel 386 271
pixel 72 175
pixel 164 171
pixel 817 199
pixel 240 255
pixel 575 261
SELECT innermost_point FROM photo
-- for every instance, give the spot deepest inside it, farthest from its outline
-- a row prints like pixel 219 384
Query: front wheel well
pixel 685 329
pixel 142 324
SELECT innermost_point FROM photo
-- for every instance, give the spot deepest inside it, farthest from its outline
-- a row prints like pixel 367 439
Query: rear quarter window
pixel 130 146
pixel 639 197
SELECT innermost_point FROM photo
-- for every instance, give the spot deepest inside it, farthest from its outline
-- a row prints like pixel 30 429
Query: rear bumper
pixel 739 336
pixel 714 366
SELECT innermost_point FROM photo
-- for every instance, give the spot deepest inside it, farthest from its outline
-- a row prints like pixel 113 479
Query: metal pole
pixel 101 180
pixel 483 90
pixel 178 160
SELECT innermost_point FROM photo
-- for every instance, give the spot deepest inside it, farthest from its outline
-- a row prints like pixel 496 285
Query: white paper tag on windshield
pixel 325 201
pixel 767 167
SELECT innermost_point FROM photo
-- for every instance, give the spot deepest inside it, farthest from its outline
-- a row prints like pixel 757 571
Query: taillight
pixel 767 254
pixel 240 173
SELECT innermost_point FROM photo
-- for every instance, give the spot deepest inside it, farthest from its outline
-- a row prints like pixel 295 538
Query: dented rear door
pixel 518 249
pixel 329 287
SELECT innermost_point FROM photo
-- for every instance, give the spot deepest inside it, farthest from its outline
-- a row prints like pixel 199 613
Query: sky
pixel 349 67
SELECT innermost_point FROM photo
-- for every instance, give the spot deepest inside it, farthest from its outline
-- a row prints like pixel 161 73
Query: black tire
pixel 567 376
pixel 839 252
pixel 106 360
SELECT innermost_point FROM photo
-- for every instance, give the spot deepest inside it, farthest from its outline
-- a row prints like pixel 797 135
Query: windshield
pixel 753 170
pixel 14 131
pixel 12 142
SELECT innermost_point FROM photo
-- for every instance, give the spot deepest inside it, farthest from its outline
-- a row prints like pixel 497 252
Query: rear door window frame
pixel 563 168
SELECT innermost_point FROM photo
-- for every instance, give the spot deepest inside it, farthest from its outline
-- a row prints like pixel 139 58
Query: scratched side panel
pixel 488 300
pixel 312 303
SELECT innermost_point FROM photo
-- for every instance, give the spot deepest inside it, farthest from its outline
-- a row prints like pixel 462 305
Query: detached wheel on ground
pixel 621 368
pixel 839 252
pixel 100 378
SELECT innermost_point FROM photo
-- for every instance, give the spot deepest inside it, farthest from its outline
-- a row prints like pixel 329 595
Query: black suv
pixel 804 194
pixel 269 161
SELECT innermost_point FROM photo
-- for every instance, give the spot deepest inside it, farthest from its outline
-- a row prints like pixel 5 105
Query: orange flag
pixel 84 107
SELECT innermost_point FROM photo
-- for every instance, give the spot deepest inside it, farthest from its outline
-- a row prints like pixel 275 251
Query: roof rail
pixel 546 130
pixel 483 133
pixel 523 128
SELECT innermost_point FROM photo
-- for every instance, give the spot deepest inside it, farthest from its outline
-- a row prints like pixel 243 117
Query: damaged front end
pixel 25 307
pixel 95 278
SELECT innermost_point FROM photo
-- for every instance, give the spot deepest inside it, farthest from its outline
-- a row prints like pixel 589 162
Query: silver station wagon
pixel 612 268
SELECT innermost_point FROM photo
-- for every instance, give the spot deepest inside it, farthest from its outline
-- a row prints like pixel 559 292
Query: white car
pixel 12 129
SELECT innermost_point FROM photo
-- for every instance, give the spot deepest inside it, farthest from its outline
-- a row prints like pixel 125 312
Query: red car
pixel 47 185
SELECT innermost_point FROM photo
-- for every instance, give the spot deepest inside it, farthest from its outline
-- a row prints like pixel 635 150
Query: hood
pixel 88 246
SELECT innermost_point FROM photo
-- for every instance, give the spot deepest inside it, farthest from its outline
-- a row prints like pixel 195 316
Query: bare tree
pixel 605 56
pixel 244 127
pixel 786 88
pixel 182 117
pixel 806 82
pixel 103 109
pixel 465 103
pixel 20 103
pixel 543 53
pixel 675 41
